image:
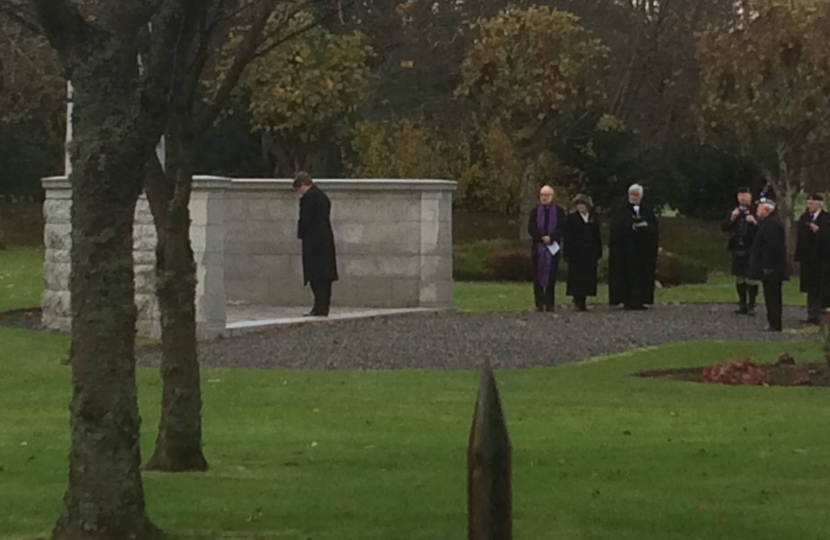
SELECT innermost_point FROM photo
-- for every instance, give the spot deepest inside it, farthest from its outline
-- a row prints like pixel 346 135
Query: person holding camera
pixel 742 226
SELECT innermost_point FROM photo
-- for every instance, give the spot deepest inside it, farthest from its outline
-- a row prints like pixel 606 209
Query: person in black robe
pixel 632 253
pixel 812 254
pixel 315 231
pixel 546 227
pixel 741 224
pixel 582 251
pixel 768 262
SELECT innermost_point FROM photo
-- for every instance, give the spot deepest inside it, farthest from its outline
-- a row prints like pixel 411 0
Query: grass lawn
pixel 381 455
pixel 477 297
pixel 21 278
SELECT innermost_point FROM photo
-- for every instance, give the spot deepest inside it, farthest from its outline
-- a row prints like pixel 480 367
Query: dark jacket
pixel 811 251
pixel 741 232
pixel 632 256
pixel 583 249
pixel 768 258
pixel 314 229
pixel 536 235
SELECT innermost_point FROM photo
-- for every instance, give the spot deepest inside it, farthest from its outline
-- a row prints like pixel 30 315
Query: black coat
pixel 741 237
pixel 536 235
pixel 632 256
pixel 811 252
pixel 583 249
pixel 314 229
pixel 768 259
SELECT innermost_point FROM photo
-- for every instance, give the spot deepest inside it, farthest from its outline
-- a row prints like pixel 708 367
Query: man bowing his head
pixel 632 253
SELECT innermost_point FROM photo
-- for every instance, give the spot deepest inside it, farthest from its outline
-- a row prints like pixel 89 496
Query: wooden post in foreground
pixel 489 497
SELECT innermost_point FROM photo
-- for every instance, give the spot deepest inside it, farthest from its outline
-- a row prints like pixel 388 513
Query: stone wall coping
pixel 210 183
pixel 200 183
pixel 346 184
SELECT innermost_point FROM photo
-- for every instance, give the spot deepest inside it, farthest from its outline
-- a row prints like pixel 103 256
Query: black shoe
pixel 539 309
pixel 750 311
pixel 550 309
pixel 743 310
pixel 810 320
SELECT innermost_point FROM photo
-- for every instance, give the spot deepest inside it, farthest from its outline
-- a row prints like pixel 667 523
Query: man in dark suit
pixel 314 229
pixel 811 253
pixel 768 261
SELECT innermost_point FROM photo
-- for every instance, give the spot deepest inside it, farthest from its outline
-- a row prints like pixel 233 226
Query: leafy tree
pixel 537 71
pixel 765 88
pixel 298 93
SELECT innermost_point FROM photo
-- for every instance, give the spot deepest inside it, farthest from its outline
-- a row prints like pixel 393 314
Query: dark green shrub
pixel 511 265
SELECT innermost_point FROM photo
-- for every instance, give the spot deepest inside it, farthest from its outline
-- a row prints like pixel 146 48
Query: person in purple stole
pixel 546 228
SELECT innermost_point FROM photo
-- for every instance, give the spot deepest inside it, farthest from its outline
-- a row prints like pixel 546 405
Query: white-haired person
pixel 768 261
pixel 632 253
pixel 546 226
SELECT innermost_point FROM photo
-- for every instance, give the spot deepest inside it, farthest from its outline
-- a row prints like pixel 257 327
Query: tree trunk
pixel 2 230
pixel 179 441
pixel 105 497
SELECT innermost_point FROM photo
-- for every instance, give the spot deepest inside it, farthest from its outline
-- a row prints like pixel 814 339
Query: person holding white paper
pixel 546 228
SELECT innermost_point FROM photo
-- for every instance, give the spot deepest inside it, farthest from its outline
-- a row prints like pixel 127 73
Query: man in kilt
pixel 742 225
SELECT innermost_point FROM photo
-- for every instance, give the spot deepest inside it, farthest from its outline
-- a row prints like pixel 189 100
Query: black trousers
pixel 814 310
pixel 546 296
pixel 322 297
pixel 773 297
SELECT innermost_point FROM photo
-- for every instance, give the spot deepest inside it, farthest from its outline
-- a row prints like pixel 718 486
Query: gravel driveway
pixel 463 341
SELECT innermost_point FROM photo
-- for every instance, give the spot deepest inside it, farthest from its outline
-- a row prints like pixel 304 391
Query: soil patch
pixel 27 319
pixel 779 375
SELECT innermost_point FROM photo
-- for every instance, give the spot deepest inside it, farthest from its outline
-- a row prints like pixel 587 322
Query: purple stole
pixel 546 220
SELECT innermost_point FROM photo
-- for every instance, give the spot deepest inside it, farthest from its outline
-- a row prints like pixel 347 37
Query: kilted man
pixel 545 226
pixel 812 254
pixel 632 253
pixel 741 224
pixel 768 261
pixel 314 229
pixel 582 251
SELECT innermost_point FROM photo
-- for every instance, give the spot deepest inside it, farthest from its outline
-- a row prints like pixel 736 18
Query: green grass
pixel 488 297
pixel 21 278
pixel 597 454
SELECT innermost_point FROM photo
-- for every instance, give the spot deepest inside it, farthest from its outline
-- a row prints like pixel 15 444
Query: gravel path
pixel 463 341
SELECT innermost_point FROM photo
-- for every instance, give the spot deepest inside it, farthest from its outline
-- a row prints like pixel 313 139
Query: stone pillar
pixel 436 287
pixel 57 239
pixel 207 233
pixel 207 238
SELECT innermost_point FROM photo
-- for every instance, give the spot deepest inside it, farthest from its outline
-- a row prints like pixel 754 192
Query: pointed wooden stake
pixel 489 497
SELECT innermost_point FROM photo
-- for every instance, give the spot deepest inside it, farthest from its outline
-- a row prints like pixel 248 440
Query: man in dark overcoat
pixel 812 254
pixel 314 229
pixel 632 253
pixel 768 261
pixel 741 224
pixel 546 226
pixel 583 250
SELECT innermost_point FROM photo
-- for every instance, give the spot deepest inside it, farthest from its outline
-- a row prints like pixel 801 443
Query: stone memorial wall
pixel 394 243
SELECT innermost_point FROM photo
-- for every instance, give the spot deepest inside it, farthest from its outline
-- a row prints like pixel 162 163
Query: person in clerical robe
pixel 315 231
pixel 633 253
pixel 812 252
pixel 582 251
pixel 546 227
pixel 768 261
